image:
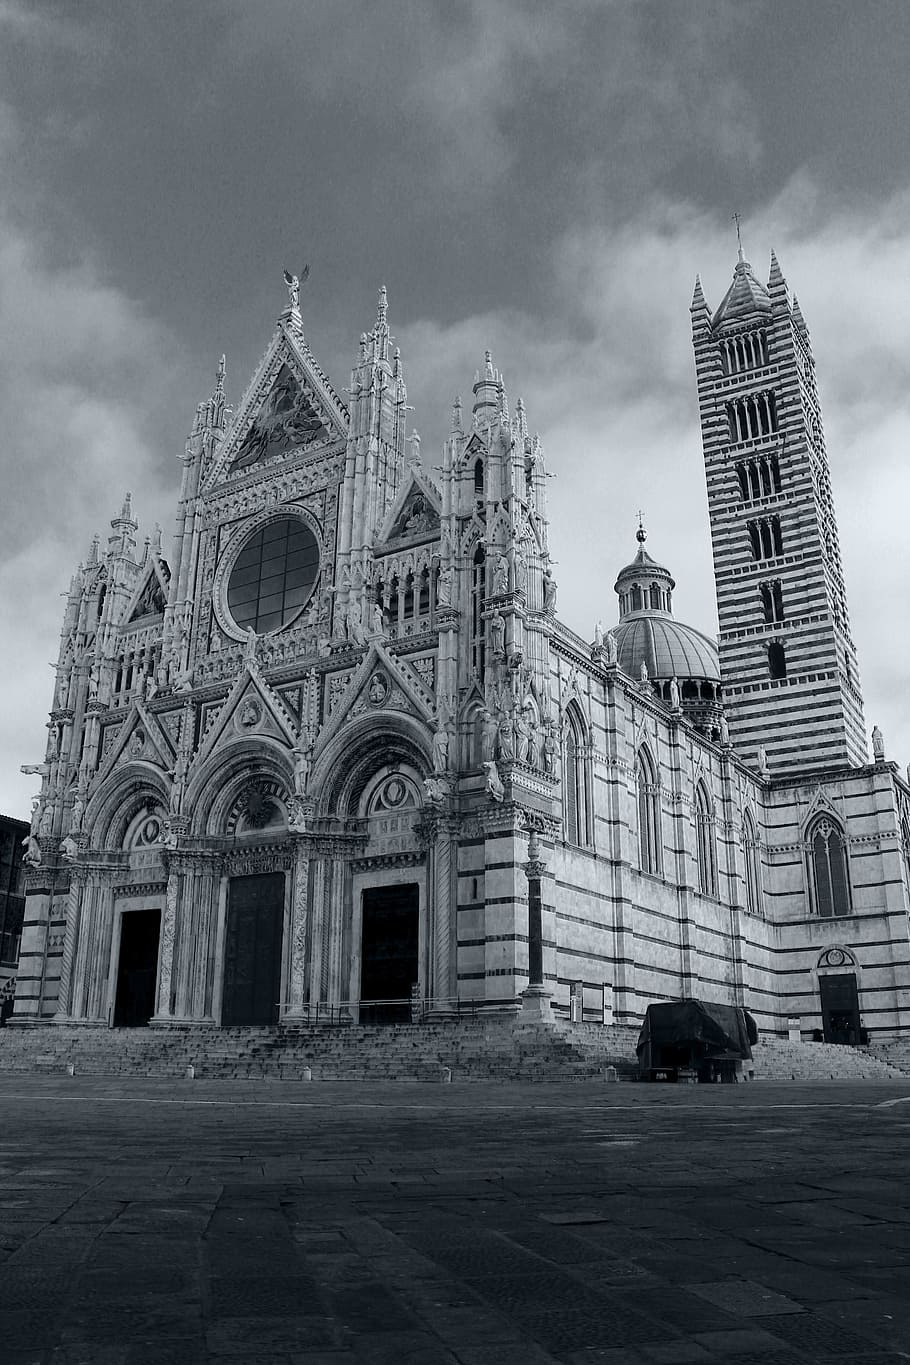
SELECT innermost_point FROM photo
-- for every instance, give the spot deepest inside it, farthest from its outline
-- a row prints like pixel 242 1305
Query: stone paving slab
pixel 162 1222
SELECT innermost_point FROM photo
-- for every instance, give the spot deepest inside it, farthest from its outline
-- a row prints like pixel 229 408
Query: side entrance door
pixel 389 953
pixel 840 1008
pixel 252 949
pixel 137 969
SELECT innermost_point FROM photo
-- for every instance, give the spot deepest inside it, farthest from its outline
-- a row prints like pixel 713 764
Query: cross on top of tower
pixel 735 217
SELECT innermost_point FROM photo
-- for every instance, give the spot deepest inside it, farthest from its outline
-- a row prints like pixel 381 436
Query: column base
pixel 535 1004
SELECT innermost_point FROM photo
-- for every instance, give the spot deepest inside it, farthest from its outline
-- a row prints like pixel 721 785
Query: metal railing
pixel 408 1009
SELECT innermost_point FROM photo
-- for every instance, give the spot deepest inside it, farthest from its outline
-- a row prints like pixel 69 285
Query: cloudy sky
pixel 541 179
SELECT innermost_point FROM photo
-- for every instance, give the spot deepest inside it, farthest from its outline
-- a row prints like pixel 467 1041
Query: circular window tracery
pixel 273 576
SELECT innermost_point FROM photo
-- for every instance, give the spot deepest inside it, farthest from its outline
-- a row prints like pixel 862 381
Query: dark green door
pixel 389 953
pixel 137 969
pixel 252 949
pixel 840 1008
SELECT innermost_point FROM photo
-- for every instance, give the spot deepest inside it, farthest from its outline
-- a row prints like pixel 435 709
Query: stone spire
pixel 487 391
pixel 122 541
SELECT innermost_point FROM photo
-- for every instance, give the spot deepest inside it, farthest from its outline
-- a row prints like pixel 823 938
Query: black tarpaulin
pixel 687 1032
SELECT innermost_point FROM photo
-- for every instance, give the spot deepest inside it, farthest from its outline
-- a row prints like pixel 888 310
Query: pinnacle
pixel 383 307
pixel 776 275
pixel 698 303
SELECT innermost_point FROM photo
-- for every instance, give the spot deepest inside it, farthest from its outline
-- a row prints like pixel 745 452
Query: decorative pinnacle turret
pixel 699 303
pixel 456 413
pixel 219 375
pixel 775 275
pixel 383 307
pixel 489 372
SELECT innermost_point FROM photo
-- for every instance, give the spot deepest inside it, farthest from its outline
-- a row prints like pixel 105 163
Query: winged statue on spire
pixel 293 283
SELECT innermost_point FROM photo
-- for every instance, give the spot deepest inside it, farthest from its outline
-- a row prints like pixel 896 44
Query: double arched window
pixel 705 843
pixel 649 835
pixel 752 857
pixel 829 877
pixel 574 780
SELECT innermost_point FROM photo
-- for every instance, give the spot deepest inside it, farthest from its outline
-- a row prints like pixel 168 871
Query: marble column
pixel 317 929
pixel 536 998
pixel 297 955
pixel 87 964
pixel 440 987
pixel 70 939
pixel 168 935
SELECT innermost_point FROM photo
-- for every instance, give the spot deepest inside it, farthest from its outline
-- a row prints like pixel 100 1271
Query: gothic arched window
pixel 752 857
pixel 705 847
pixel 478 479
pixel 649 834
pixel 574 782
pixel 829 880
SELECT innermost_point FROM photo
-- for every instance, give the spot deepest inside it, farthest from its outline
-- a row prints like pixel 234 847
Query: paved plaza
pixel 169 1223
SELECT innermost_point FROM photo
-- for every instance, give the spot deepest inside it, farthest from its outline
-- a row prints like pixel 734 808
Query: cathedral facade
pixel 293 770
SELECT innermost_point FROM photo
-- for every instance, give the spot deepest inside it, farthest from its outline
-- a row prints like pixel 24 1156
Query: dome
pixel 668 648
pixel 649 634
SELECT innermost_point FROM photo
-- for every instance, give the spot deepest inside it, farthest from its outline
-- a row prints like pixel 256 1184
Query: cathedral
pixel 338 757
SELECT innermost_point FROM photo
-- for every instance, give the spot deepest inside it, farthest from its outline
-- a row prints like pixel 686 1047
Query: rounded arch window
pixel 273 576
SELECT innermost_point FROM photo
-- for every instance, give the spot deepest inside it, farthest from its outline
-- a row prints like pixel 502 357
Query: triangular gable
pixel 140 739
pixel 476 446
pixel 821 803
pixel 289 406
pixel 251 708
pixel 416 510
pixel 150 596
pixel 382 682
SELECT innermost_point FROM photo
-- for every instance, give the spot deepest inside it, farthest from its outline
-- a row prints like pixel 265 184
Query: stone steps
pixel 471 1049
pixel 896 1053
pixel 477 1049
pixel 778 1059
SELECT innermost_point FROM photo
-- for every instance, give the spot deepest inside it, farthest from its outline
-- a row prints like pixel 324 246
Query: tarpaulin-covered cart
pixel 689 1039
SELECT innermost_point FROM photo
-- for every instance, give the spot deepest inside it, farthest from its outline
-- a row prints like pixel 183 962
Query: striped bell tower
pixel 788 664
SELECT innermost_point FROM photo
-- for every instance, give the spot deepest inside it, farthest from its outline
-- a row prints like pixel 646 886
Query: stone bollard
pixel 71 1068
pixel 610 1074
pixel 445 1075
pixel 307 1073
pixel 190 1073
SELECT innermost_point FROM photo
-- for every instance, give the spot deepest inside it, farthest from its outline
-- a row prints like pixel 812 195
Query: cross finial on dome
pixel 641 534
pixel 735 217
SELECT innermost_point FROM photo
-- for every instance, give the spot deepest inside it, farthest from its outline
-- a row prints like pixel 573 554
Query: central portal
pixel 252 949
pixel 389 953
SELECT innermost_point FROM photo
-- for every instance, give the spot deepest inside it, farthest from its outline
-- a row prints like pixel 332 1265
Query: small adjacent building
pixel 12 906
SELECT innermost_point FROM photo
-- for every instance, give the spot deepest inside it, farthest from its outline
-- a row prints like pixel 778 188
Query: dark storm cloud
pixel 543 179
